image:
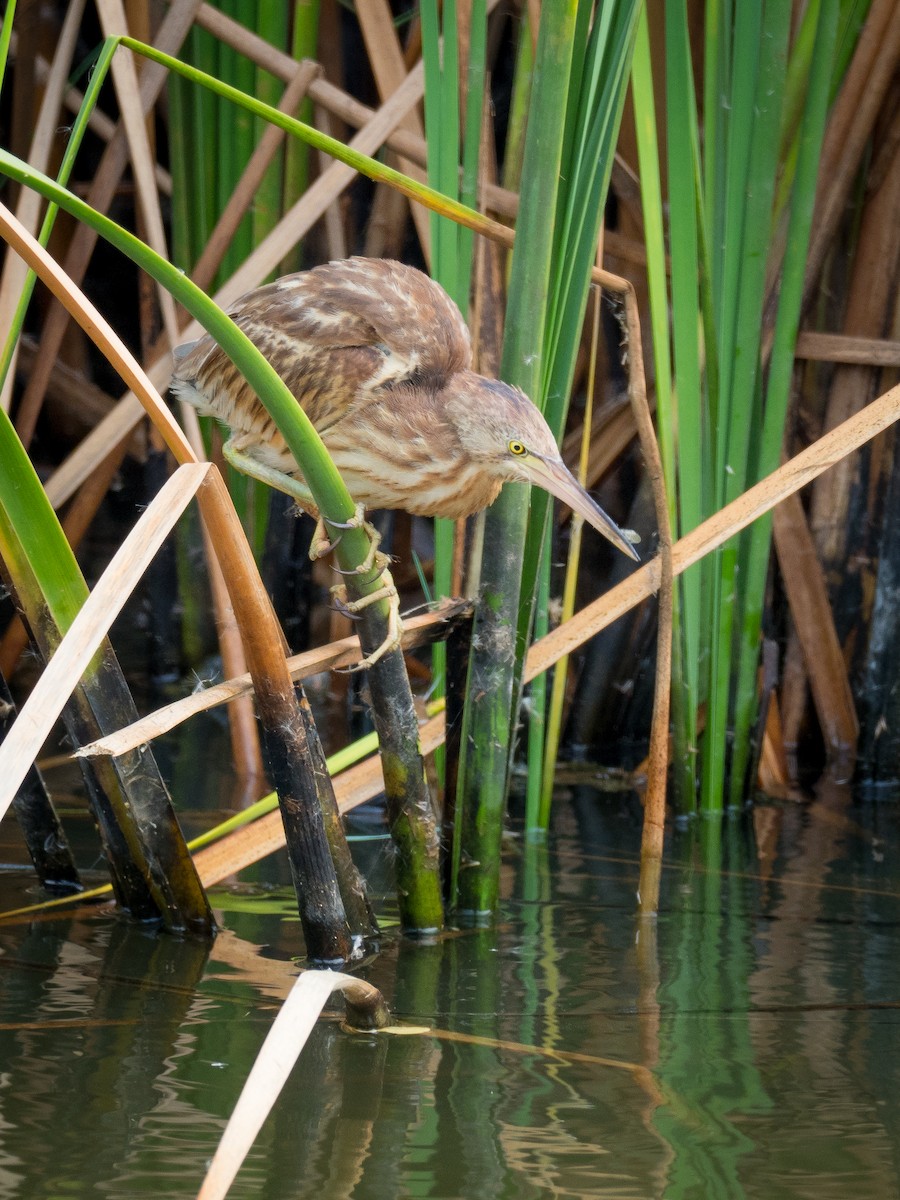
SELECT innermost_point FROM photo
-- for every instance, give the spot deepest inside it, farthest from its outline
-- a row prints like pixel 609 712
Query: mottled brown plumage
pixel 379 358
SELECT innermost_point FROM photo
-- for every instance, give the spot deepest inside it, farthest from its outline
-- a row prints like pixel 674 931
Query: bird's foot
pixel 352 609
pixel 322 543
pixel 375 560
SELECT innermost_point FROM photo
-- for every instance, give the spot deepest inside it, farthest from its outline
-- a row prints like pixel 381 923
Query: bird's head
pixel 500 427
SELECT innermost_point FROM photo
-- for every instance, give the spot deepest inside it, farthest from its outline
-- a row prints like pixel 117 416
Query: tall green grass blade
pixel 716 88
pixel 689 417
pixel 654 241
pixel 452 245
pixel 755 119
pixel 440 94
pixel 448 149
pixel 518 109
pixel 797 79
pixel 304 44
pixel 442 135
pixel 757 539
pixel 538 823
pixel 6 29
pixel 272 27
pixel 758 187
pixel 442 141
pixel 210 120
pixel 852 18
pixel 201 178
pixel 181 113
pixel 593 117
pixel 370 167
pixel 233 134
pixel 593 114
pixel 487 729
pixel 537 706
pixel 737 116
pixel 683 702
pixel 472 127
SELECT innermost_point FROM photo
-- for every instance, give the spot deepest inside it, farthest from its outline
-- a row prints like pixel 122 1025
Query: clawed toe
pixel 342 605
pixel 352 609
pixel 357 521
pixel 375 560
pixel 321 543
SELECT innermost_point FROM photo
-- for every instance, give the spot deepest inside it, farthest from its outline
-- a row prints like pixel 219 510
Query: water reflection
pixel 743 1045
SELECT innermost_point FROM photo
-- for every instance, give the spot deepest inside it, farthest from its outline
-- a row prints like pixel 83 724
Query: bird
pixel 379 358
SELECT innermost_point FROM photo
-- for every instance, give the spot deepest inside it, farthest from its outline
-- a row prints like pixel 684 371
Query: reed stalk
pixel 152 872
pixel 488 725
pixel 756 543
pixel 600 67
pixel 538 819
pixel 721 404
pixel 41 828
pixel 453 119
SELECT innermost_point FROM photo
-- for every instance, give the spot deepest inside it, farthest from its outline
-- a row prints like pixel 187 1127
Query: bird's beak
pixel 556 478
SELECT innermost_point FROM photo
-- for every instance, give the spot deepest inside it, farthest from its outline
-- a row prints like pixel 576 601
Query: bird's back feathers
pixel 337 335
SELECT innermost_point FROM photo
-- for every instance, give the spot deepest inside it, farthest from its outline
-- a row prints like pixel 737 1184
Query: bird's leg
pixel 247 465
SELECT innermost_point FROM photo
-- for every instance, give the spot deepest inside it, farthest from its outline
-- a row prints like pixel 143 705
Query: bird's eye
pixel 517 448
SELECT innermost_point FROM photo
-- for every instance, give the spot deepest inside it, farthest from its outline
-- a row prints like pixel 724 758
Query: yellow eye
pixel 517 448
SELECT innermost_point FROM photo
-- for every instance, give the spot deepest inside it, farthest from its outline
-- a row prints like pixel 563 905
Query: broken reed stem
pixel 658 762
pixel 410 810
pixel 41 828
pixel 75 523
pixel 152 873
pixel 804 581
pixel 366 1010
pixel 330 893
pixel 243 733
pixel 452 616
pixel 719 528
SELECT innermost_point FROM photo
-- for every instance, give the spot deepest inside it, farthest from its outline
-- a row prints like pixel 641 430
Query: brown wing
pixel 341 332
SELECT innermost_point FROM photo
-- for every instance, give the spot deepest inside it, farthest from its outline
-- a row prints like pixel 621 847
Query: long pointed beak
pixel 556 478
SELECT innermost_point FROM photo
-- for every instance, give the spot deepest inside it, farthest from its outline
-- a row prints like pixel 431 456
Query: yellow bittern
pixel 379 358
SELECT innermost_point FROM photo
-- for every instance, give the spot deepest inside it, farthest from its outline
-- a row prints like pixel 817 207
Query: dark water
pixel 745 1045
